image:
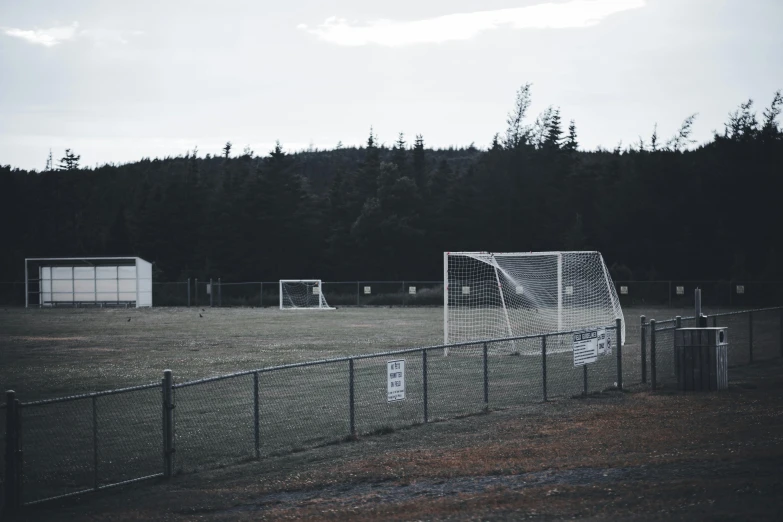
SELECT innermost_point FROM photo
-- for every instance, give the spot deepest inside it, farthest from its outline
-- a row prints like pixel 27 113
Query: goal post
pixel 302 294
pixel 495 295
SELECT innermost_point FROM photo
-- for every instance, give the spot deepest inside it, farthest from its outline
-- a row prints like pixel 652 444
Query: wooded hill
pixel 660 209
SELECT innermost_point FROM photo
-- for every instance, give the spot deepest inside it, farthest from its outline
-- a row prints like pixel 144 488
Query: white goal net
pixel 302 294
pixel 497 295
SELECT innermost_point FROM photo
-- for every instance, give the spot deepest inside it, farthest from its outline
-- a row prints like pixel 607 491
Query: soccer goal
pixel 302 294
pixel 496 295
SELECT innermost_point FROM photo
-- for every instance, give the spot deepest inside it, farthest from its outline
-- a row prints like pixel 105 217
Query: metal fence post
pixel 188 292
pixel 95 442
pixel 195 287
pixel 255 414
pixel 750 336
pixel 486 379
pixel 261 294
pixel 13 484
pixel 714 321
pixel 543 364
pixel 643 338
pixel 357 293
pixel 653 373
pixel 211 292
pixel 584 374
pixel 168 424
pixel 351 398
pixel 220 293
pixel 424 383
pixel 780 330
pixel 619 326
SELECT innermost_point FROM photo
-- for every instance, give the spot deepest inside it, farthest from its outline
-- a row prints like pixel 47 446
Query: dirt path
pixel 619 456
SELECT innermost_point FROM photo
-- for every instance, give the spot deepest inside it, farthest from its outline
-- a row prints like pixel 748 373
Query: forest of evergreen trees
pixel 662 208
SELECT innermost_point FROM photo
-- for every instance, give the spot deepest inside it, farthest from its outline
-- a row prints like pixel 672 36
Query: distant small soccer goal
pixel 500 295
pixel 302 294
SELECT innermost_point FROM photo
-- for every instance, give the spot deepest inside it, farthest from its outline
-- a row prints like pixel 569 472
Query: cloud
pixel 57 35
pixel 463 26
pixel 46 37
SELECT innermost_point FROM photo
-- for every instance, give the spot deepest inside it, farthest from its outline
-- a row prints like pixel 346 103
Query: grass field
pixel 80 444
pixel 49 353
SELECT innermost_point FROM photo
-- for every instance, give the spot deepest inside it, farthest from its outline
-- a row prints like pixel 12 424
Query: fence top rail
pixel 90 395
pixel 381 354
pixel 747 311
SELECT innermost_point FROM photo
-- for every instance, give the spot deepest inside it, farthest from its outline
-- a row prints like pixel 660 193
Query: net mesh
pixel 302 294
pixel 493 296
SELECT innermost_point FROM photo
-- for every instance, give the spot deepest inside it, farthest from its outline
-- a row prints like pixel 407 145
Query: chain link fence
pixel 680 294
pixel 753 335
pixel 215 292
pixel 72 445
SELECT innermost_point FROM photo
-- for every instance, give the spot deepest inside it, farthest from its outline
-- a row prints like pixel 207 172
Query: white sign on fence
pixel 569 290
pixel 395 373
pixel 604 343
pixel 585 348
pixel 624 290
pixel 680 290
pixel 740 289
pixel 465 290
pixel 367 289
pixel 412 290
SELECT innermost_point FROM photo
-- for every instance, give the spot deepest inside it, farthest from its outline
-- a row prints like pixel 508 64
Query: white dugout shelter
pixel 88 281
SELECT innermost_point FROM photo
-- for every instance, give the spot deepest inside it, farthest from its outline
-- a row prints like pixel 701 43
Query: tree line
pixel 657 209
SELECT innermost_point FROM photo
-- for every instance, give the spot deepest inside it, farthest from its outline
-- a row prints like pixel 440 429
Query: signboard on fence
pixel 412 290
pixel 604 343
pixel 680 290
pixel 367 289
pixel 740 289
pixel 624 290
pixel 585 347
pixel 395 373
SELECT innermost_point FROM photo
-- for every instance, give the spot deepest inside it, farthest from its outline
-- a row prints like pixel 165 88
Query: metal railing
pixel 72 445
pixel 753 335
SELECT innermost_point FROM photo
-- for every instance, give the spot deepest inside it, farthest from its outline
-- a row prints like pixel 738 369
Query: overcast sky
pixel 119 80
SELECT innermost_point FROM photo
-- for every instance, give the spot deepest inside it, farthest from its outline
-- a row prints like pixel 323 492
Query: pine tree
pixel 554 131
pixel 571 144
pixel 70 161
pixel 227 149
pixel 419 162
